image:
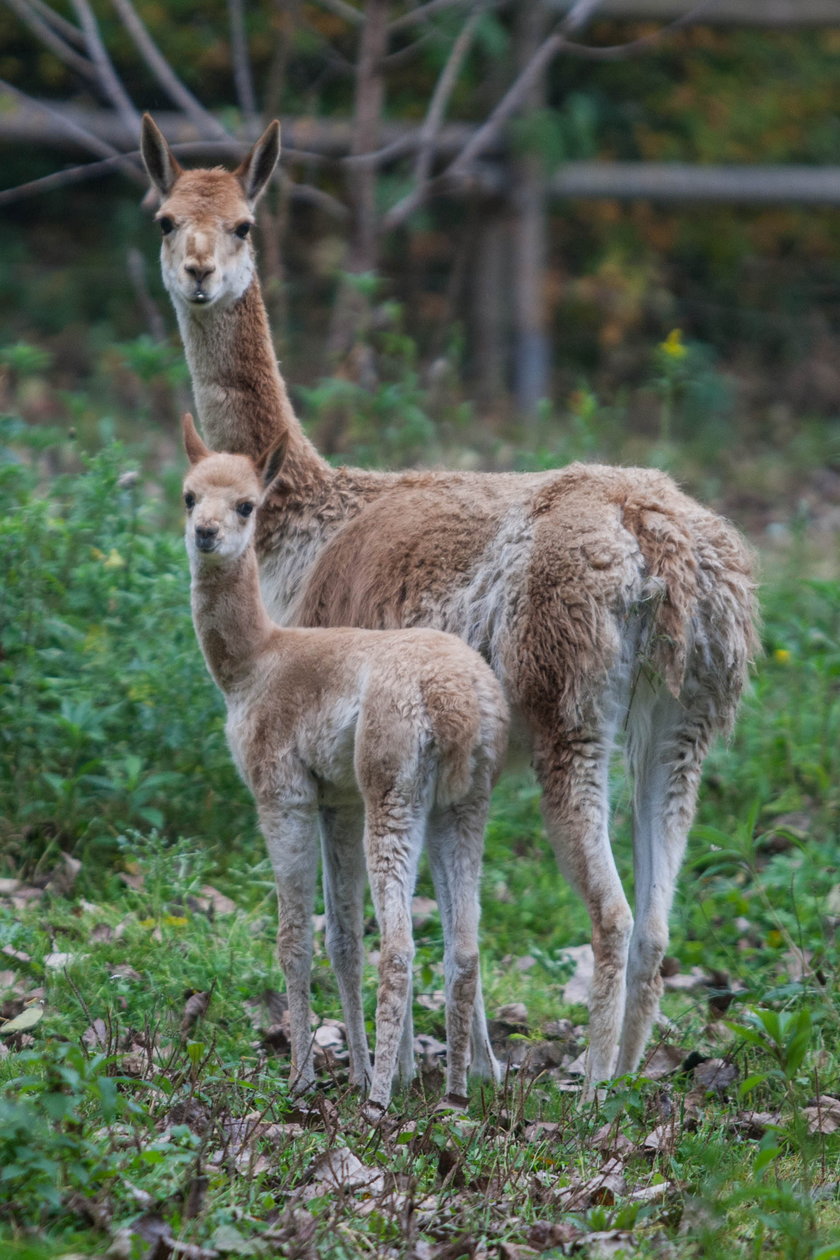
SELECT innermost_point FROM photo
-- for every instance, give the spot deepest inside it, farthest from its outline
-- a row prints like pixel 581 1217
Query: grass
pixel 143 1103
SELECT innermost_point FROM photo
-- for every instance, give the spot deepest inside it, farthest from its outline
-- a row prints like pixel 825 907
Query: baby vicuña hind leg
pixel 455 845
pixel 342 827
pixel 394 830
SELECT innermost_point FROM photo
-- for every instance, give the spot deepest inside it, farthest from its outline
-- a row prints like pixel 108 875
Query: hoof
pixel 452 1103
pixel 373 1112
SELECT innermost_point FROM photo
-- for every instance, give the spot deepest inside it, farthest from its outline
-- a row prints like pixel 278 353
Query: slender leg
pixel 392 855
pixel 455 846
pixel 342 829
pixel 291 833
pixel 572 767
pixel 666 747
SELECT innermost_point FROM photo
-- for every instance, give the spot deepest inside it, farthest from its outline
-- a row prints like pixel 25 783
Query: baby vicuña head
pixel 222 493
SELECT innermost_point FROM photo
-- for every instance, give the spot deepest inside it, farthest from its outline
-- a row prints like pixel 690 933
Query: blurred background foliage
pixel 754 292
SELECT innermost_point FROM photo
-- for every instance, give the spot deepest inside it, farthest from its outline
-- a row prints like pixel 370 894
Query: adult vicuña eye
pixel 166 226
pixel 245 509
pixel 241 230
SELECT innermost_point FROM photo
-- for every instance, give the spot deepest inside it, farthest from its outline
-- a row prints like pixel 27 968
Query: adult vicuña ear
pixel 272 461
pixel 161 164
pixel 256 169
pixel 193 444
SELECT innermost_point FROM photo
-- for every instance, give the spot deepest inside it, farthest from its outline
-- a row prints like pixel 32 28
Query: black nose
pixel 205 537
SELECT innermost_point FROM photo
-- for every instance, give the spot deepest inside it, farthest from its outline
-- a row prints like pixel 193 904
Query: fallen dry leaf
pixel 548 1234
pixel 63 876
pixel 194 1008
pixel 605 1243
pixel 823 1116
pixel 96 1034
pixel 17 954
pixel 27 1019
pixel 340 1169
pixel 662 1061
pixel 715 1075
pixel 605 1187
pixel 663 1138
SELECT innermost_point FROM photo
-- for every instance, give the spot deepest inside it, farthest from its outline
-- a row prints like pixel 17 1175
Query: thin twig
pixel 343 10
pixel 421 13
pixel 52 39
pixel 59 24
pixel 71 175
pixel 108 79
pixel 163 72
pixel 87 139
pixel 440 97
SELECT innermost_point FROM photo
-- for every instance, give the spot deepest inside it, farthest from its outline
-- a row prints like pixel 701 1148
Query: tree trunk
pixel 531 345
pixel 351 312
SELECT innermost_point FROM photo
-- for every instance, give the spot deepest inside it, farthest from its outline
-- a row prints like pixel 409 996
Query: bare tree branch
pixel 420 13
pixel 440 97
pixel 60 24
pixel 83 137
pixel 106 74
pixel 168 80
pixel 616 52
pixel 52 39
pixel 426 140
pixel 75 175
pixel 343 10
pixel 579 14
pixel 316 197
pixel 241 61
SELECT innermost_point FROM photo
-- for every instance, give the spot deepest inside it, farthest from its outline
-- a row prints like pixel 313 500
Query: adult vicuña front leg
pixel 291 834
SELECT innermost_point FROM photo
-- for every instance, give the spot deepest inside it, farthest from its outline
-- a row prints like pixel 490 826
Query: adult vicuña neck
pixel 230 619
pixel 242 401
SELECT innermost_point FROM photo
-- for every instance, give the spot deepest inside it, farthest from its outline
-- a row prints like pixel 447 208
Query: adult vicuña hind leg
pixel 667 741
pixel 573 772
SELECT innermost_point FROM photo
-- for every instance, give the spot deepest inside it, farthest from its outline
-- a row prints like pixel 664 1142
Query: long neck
pixel 229 616
pixel 241 397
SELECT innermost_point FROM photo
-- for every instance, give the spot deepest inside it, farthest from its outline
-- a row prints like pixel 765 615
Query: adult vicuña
pixel 413 720
pixel 606 600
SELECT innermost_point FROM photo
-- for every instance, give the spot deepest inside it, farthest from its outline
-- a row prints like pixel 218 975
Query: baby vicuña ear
pixel 272 461
pixel 193 444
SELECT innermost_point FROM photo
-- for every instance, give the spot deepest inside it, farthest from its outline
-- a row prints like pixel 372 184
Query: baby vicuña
pixel 412 720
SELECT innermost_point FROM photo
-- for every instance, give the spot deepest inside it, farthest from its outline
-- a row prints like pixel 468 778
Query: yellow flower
pixel 114 561
pixel 782 655
pixel 673 345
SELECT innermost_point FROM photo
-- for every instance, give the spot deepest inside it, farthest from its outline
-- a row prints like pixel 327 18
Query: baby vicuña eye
pixel 244 509
pixel 242 229
pixel 166 225
pixel 189 501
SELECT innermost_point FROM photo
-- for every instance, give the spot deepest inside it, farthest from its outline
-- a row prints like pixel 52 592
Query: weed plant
pixel 143 1103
